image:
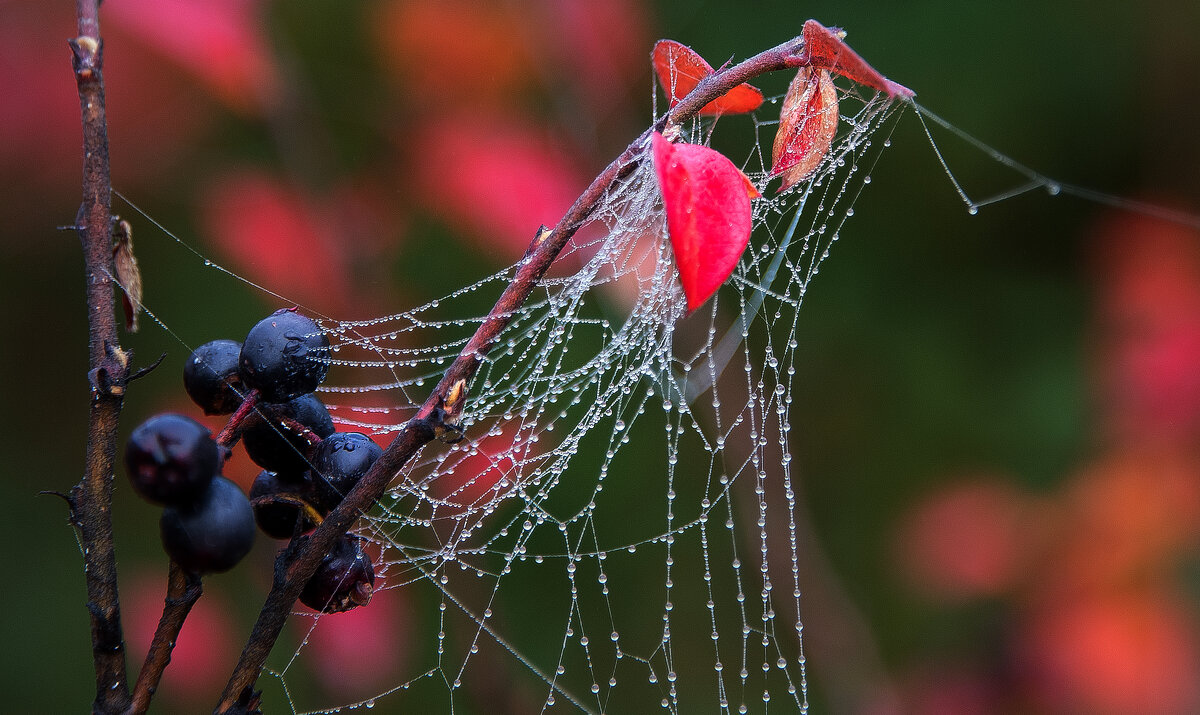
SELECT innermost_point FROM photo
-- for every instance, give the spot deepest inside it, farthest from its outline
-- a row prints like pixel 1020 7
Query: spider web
pixel 619 530
pixel 625 481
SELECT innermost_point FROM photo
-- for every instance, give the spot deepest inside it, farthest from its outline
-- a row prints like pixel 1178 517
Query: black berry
pixel 211 534
pixel 273 437
pixel 279 502
pixel 344 580
pixel 171 459
pixel 284 356
pixel 211 377
pixel 339 462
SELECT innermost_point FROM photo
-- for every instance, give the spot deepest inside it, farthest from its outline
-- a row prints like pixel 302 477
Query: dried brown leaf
pixel 129 277
pixel 807 124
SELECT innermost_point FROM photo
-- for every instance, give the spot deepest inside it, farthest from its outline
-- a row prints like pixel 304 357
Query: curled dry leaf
pixel 129 277
pixel 824 48
pixel 707 202
pixel 807 123
pixel 680 69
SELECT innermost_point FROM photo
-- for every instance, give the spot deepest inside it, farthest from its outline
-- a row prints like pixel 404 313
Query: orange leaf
pixel 807 123
pixel 680 69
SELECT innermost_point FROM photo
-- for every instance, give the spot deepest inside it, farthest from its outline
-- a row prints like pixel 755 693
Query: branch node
pixel 447 416
pixel 539 238
pixel 109 378
pixel 86 52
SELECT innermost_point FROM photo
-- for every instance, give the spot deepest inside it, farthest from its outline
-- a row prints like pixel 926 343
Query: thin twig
pixel 183 590
pixel 91 499
pixel 295 567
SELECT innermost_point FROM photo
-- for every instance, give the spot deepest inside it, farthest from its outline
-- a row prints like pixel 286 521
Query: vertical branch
pixel 91 498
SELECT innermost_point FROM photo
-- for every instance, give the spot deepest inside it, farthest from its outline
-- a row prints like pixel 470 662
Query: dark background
pixel 997 430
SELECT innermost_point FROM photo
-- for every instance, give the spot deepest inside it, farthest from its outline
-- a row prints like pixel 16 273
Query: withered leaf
pixel 129 277
pixel 807 123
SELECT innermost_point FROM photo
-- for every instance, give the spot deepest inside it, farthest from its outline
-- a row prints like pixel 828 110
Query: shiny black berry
pixel 211 378
pixel 279 502
pixel 339 462
pixel 273 437
pixel 284 356
pixel 211 534
pixel 344 580
pixel 171 459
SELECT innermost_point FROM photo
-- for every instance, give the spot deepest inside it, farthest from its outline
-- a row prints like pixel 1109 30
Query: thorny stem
pixel 91 498
pixel 296 565
pixel 183 590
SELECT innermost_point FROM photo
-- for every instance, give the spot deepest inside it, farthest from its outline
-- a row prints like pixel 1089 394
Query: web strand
pixel 626 482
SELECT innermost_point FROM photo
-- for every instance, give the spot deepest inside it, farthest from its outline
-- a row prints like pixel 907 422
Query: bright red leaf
pixel 807 124
pixel 707 201
pixel 680 69
pixel 826 50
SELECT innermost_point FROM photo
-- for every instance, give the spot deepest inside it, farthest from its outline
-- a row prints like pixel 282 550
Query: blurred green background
pixel 962 379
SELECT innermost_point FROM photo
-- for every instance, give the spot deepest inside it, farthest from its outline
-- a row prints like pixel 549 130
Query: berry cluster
pixel 266 384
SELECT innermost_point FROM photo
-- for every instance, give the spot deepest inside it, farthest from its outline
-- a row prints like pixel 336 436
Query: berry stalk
pixel 232 430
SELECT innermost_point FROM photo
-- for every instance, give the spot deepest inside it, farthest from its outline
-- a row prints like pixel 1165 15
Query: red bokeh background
pixel 339 164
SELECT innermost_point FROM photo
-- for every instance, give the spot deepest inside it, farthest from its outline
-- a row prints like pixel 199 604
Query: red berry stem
pixel 299 428
pixel 183 590
pixel 108 370
pixel 295 567
pixel 232 431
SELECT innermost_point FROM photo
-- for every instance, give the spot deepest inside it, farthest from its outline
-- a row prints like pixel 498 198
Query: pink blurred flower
pixel 970 540
pixel 277 237
pixel 496 180
pixel 205 650
pixel 220 42
pixel 362 651
pixel 153 114
pixel 1124 519
pixel 1132 652
pixel 1148 279
pixel 461 53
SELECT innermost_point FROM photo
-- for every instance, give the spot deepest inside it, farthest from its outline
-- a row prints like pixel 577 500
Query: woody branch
pixel 90 500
